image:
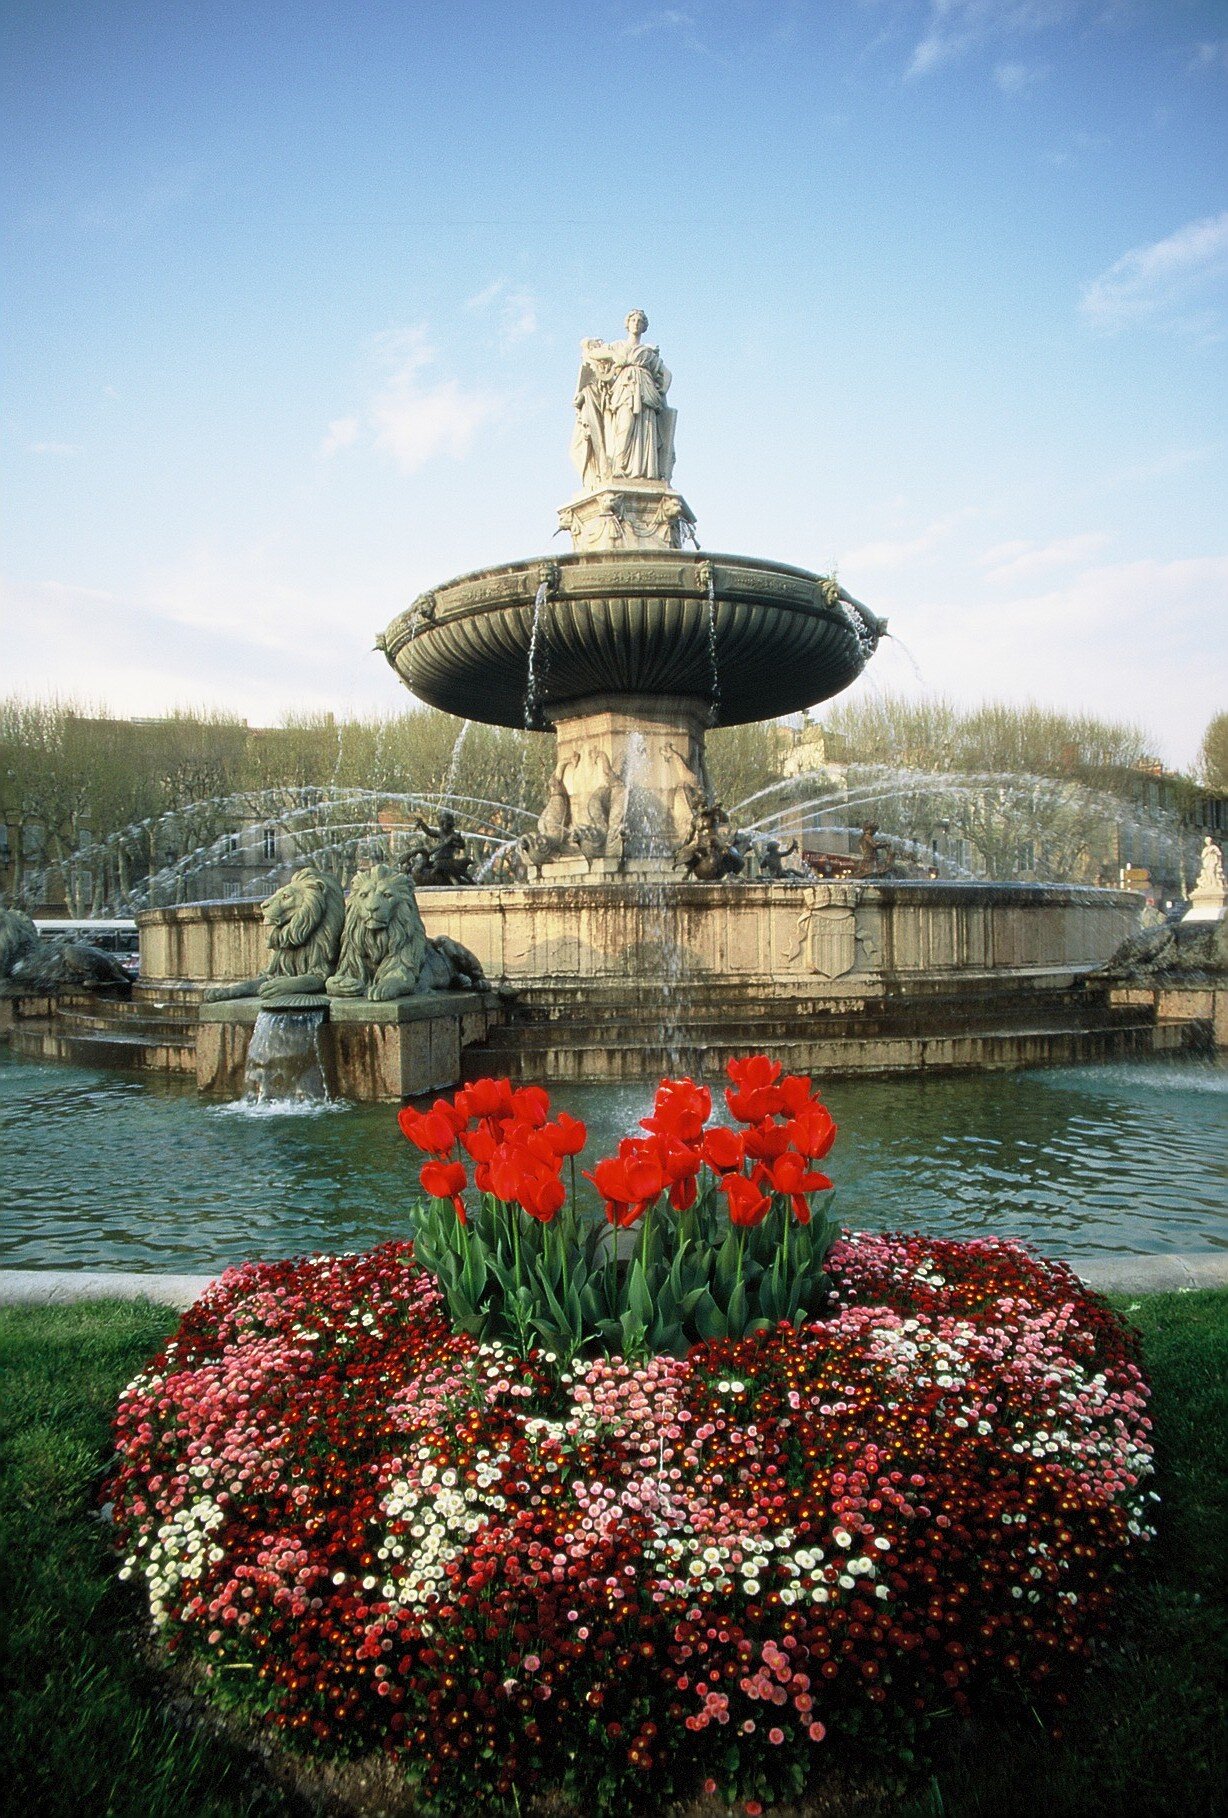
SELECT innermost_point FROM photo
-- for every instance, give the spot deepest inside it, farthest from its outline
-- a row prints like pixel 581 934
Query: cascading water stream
pixel 714 705
pixel 453 771
pixel 534 680
pixel 284 1059
pixel 866 635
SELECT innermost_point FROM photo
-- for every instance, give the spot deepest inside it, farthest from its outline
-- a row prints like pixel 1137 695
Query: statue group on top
pixel 622 445
pixel 624 428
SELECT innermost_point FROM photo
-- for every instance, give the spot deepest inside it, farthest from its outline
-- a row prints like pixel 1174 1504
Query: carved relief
pixel 833 940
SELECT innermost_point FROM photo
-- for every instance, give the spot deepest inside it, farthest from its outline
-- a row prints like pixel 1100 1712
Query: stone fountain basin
pixel 631 623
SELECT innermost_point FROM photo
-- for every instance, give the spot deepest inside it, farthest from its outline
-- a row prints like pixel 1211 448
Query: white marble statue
pixel 1211 871
pixel 1209 898
pixel 624 428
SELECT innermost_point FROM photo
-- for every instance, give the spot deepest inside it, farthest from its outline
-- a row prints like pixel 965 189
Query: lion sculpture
pixel 385 951
pixel 18 939
pixel 303 922
pixel 37 968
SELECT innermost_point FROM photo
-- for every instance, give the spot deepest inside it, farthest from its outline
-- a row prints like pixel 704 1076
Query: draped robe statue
pixel 624 428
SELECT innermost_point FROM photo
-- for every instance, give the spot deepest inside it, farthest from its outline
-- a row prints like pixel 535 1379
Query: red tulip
pixel 680 1164
pixel 486 1098
pixel 747 1205
pixel 766 1140
pixel 566 1135
pixel 797 1092
pixel 753 1072
pixel 645 1175
pixel 479 1143
pixel 789 1174
pixel 447 1108
pixel 428 1130
pixel 540 1193
pixel 680 1110
pixel 812 1132
pixel 531 1105
pixel 754 1094
pixel 724 1149
pixel 446 1180
pixel 610 1177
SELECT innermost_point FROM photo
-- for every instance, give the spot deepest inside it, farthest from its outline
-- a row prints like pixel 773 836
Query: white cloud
pixel 1153 284
pixel 411 416
pixel 57 448
pixel 231 630
pixel 956 27
pixel 900 552
pixel 414 421
pixel 1140 641
pixel 243 591
pixel 517 310
pixel 1011 562
pixel 342 433
pixel 130 211
pixel 935 49
pixel 137 658
pixel 668 19
pixel 1212 54
pixel 1013 78
pixel 1077 147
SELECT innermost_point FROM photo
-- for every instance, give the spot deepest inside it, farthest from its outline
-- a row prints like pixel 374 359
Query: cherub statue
pixel 442 857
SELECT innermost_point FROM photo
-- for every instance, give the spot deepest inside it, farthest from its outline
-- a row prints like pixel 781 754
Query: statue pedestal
pixel 610 871
pixel 1206 905
pixel 629 514
pixel 632 770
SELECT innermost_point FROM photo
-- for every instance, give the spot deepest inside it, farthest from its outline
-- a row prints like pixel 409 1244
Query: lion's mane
pixel 383 942
pixel 303 922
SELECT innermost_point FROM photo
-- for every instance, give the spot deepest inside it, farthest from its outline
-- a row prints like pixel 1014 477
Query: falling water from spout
pixel 908 656
pixel 714 705
pixel 284 1059
pixel 867 637
pixel 450 780
pixel 534 682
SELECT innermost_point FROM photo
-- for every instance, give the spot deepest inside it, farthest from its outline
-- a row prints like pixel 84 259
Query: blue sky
pixel 295 291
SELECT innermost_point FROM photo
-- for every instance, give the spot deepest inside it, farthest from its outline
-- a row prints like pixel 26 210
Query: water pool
pixel 101 1170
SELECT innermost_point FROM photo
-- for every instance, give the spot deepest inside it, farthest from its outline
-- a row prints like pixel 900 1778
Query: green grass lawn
pixel 87 1728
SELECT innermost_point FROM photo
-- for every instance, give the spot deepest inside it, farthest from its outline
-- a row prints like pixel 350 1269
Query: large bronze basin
pixel 752 638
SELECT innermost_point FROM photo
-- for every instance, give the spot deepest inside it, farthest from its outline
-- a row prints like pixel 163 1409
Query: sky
pixel 295 290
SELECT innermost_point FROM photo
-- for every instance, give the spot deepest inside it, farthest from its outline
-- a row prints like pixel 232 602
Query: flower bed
pixel 380 1531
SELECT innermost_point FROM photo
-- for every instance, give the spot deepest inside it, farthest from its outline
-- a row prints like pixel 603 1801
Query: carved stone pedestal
pixel 629 777
pixel 629 514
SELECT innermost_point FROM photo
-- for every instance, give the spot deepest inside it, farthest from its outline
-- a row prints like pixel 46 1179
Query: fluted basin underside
pixel 753 638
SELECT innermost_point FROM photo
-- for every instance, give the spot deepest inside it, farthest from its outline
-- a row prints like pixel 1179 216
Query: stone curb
pixel 1153 1274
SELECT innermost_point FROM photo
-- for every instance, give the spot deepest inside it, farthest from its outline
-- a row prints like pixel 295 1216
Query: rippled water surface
pixel 102 1170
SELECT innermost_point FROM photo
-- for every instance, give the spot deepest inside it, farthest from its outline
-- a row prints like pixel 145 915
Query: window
pixel 270 845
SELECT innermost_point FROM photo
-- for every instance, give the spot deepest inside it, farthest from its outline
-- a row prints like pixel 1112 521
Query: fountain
pixel 634 926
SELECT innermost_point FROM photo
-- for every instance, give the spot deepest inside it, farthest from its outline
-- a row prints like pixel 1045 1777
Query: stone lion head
pixel 303 923
pixel 383 944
